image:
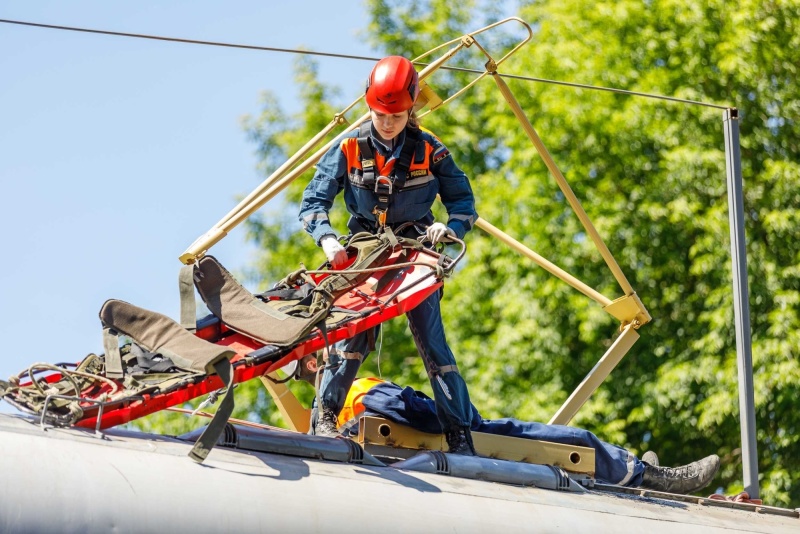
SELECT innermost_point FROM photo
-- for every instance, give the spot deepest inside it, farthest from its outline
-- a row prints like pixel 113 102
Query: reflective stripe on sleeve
pixel 458 217
pixel 315 217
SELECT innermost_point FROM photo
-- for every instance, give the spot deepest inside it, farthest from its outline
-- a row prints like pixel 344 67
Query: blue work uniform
pixel 432 172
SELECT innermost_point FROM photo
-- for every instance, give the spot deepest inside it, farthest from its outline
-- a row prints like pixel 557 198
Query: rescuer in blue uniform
pixel 391 171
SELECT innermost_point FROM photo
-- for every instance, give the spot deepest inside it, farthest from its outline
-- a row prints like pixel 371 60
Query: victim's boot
pixel 650 457
pixel 684 479
pixel 459 441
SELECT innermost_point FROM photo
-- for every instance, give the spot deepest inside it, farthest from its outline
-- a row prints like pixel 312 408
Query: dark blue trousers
pixel 452 405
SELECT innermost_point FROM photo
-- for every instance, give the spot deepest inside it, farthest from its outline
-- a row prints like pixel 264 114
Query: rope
pixel 188 41
pixel 66 373
pixel 360 58
pixel 52 368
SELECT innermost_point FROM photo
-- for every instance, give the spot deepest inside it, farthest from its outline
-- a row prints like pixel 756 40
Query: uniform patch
pixel 418 172
pixel 439 156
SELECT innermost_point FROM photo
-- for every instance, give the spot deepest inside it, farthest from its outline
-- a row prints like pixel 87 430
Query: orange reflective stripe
pixel 353 405
pixel 350 149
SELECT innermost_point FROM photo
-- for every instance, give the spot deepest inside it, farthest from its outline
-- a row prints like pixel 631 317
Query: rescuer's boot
pixel 459 441
pixel 684 479
pixel 650 458
pixel 326 424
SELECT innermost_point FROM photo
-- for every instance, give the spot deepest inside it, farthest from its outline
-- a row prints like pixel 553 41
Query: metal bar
pixel 563 185
pixel 741 306
pixel 266 190
pixel 553 269
pixel 297 416
pixel 469 40
pixel 596 376
pixel 382 432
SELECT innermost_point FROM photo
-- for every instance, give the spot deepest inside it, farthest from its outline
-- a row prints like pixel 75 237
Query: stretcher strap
pixel 113 356
pixel 186 292
pixel 211 434
pixel 284 322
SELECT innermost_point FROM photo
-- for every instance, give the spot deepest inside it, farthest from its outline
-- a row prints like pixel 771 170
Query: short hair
pixel 303 372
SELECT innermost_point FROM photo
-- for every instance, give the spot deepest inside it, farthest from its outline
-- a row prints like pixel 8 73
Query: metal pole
pixel 741 306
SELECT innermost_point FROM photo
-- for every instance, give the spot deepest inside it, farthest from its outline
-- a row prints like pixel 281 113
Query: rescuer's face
pixel 389 126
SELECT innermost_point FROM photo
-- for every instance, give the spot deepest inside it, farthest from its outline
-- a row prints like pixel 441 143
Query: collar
pixel 382 147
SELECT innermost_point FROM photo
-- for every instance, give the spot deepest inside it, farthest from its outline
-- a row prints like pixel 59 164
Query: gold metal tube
pixel 564 186
pixel 596 376
pixel 553 269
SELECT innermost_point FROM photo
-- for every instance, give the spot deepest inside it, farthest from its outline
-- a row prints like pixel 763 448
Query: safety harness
pixel 384 186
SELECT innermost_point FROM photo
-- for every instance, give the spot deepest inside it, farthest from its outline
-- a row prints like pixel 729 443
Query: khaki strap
pixel 186 292
pixel 113 357
pixel 214 430
pixel 449 369
pixel 444 369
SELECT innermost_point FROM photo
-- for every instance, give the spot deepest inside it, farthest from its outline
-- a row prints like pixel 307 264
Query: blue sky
pixel 116 153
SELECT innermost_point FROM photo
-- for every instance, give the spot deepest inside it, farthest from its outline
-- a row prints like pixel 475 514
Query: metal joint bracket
pixel 339 118
pixel 468 40
pixel 629 310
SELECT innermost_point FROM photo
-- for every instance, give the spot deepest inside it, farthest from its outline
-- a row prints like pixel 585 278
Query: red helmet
pixel 393 85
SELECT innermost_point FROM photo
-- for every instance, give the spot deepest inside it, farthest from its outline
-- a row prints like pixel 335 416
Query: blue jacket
pixel 432 172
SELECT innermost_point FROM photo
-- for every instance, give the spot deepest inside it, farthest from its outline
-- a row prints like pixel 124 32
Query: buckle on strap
pixel 383 189
pixel 380 216
pixel 383 185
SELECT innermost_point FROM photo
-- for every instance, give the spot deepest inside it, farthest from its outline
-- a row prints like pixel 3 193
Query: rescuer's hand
pixel 437 231
pixel 334 251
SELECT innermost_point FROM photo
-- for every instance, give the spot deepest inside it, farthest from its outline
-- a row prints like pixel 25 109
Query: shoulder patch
pixel 440 154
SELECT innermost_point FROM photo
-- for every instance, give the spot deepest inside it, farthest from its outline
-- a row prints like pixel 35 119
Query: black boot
pixel 684 479
pixel 326 424
pixel 459 441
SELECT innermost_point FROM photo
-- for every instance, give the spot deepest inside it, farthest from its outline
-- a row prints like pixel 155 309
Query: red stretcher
pixel 403 280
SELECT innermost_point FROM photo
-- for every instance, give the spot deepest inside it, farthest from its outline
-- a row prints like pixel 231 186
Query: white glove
pixel 437 231
pixel 334 250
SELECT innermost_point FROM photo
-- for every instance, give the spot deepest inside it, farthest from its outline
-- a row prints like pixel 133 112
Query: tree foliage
pixel 651 176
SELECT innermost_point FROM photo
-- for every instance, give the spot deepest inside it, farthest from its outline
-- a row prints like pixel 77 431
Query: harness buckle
pixel 380 215
pixel 383 185
pixel 383 190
